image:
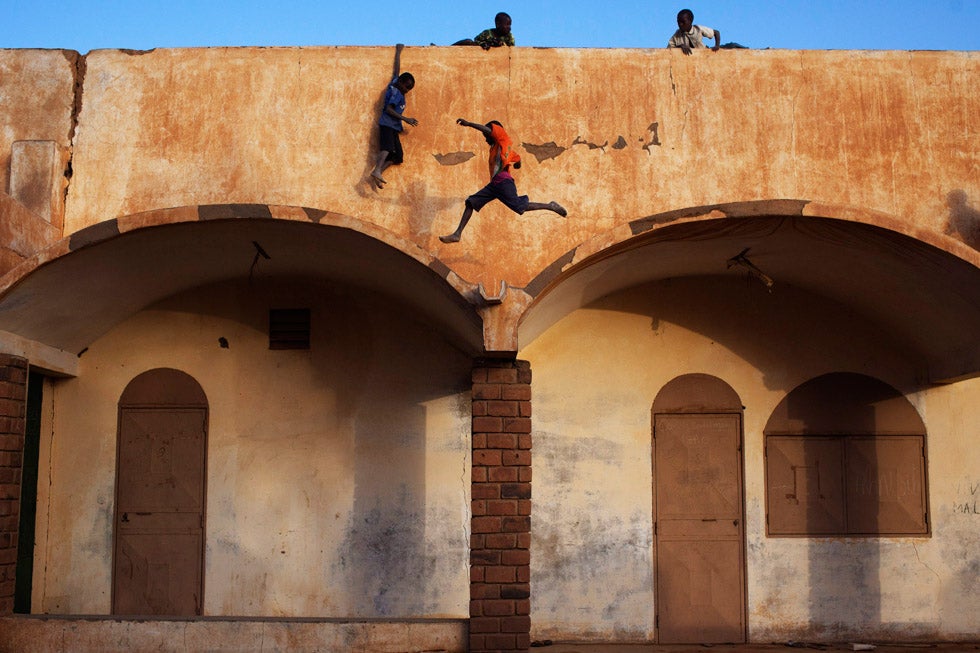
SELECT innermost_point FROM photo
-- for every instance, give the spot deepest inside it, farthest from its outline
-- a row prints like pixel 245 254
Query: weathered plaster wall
pixel 615 135
pixel 596 375
pixel 337 478
pixel 37 100
pixel 36 120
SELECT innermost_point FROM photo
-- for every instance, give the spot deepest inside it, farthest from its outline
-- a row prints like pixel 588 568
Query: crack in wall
pixel 80 65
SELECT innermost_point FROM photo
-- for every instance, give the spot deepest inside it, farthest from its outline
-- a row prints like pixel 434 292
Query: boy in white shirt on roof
pixel 689 36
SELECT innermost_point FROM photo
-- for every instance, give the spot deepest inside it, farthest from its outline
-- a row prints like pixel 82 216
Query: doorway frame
pixel 181 391
pixel 705 394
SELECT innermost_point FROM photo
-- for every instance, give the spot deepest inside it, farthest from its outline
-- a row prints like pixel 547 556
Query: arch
pixel 108 229
pixel 104 273
pixel 921 287
pixel 643 228
pixel 696 393
pixel 163 386
pixel 861 405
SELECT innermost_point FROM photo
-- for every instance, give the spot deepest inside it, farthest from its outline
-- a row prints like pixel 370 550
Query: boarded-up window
pixel 845 455
pixel 840 485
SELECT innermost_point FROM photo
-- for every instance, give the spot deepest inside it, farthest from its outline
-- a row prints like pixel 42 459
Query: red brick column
pixel 500 557
pixel 13 396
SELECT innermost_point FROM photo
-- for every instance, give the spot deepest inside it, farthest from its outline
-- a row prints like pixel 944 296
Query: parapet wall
pixel 614 135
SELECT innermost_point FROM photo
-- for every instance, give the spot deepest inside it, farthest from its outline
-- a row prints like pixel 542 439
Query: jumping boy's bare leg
pixel 379 168
pixel 554 207
pixel 454 236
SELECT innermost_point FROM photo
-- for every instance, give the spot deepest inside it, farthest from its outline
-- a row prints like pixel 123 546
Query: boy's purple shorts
pixel 504 190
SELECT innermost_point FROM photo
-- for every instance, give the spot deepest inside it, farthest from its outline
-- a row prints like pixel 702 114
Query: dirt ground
pixel 786 647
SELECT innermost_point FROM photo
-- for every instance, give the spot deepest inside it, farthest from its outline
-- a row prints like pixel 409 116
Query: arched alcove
pixel 845 455
pixel 696 393
pixel 163 386
pixel 158 559
pixel 699 519
pixel 920 289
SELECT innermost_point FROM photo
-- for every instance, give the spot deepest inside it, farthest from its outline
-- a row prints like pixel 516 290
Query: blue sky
pixel 84 25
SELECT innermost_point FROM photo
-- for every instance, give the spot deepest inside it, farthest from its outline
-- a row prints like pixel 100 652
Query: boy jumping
pixel 501 186
pixel 390 123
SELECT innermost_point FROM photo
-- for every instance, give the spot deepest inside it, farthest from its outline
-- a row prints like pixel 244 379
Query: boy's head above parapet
pixel 502 23
pixel 685 20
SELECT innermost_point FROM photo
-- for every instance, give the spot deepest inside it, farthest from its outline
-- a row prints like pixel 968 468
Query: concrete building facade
pixel 246 396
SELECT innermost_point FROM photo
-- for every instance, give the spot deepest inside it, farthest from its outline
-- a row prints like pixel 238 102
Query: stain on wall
pixel 453 158
pixel 963 220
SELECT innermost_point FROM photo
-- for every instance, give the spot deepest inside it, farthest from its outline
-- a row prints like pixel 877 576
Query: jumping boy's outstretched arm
pixel 475 125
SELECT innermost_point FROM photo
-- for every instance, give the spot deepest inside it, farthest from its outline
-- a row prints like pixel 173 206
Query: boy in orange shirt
pixel 501 186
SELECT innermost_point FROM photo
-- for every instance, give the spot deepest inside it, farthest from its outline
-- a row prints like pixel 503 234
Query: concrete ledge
pixel 83 634
pixel 44 357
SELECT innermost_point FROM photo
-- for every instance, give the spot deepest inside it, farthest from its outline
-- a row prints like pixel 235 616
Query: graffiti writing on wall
pixel 970 492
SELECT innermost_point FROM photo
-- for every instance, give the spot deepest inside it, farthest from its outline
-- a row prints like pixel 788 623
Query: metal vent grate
pixel 289 328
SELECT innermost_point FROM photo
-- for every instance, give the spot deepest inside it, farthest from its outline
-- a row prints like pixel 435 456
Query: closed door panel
pixel 160 511
pixel 698 489
pixel 158 574
pixel 161 460
pixel 697 580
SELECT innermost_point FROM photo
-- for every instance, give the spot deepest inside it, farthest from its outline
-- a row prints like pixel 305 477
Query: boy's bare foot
pixel 558 208
pixel 451 238
pixel 378 179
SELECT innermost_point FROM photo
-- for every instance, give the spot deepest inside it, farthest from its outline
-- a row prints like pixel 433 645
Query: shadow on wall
pixel 853 486
pixel 964 220
pixel 392 566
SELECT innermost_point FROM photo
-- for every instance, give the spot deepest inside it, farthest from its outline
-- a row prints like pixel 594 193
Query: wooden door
pixel 698 528
pixel 159 544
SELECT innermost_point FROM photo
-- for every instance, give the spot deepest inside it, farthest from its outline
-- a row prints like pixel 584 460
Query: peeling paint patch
pixel 654 129
pixel 619 144
pixel 732 210
pixel 440 268
pixel 95 233
pixel 545 151
pixel 315 215
pixel 228 211
pixel 539 282
pixel 640 225
pixel 592 146
pixel 453 158
pixel 964 220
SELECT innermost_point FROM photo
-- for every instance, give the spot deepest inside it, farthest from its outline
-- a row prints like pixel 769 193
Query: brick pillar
pixel 13 396
pixel 500 556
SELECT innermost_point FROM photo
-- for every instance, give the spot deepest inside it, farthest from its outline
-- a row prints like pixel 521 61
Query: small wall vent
pixel 289 328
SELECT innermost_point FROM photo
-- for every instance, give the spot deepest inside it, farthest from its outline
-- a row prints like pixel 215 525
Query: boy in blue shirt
pixel 390 123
